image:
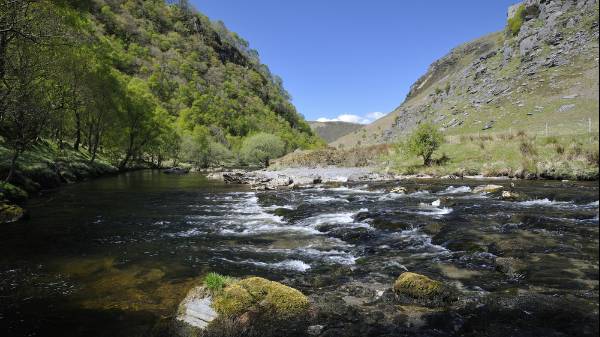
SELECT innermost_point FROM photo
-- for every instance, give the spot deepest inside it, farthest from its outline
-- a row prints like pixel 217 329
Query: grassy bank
pixel 45 166
pixel 516 155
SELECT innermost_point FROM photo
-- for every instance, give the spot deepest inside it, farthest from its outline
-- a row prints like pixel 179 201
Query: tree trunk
pixel 13 166
pixel 77 132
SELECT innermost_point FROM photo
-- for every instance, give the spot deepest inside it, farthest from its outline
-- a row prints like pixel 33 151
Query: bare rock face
pixel 196 309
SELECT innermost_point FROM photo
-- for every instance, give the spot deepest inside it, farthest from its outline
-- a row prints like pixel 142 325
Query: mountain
pixel 539 74
pixel 331 131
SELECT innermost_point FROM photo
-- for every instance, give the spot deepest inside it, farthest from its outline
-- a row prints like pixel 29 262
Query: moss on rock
pixel 420 287
pixel 256 293
pixel 10 213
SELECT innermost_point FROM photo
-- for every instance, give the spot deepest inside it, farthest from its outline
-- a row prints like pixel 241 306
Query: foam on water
pixel 290 265
pixel 545 202
pixel 456 190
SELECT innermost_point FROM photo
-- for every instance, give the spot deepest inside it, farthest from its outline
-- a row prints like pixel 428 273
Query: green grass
pixel 46 165
pixel 216 282
pixel 515 155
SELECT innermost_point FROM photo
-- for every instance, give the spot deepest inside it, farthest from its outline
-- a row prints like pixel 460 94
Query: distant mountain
pixel 331 131
pixel 540 72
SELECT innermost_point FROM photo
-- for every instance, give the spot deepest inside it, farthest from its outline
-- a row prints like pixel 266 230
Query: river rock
pixel 398 190
pixel 509 195
pixel 487 188
pixel 314 330
pixel 196 309
pixel 10 213
pixel 510 266
pixel 421 287
pixel 176 170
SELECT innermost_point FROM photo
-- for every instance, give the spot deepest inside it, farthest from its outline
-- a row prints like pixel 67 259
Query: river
pixel 115 256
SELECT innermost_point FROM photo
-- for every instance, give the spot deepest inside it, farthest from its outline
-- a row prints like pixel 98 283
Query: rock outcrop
pixel 504 75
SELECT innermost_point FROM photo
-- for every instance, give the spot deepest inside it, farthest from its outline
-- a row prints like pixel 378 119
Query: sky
pixel 354 60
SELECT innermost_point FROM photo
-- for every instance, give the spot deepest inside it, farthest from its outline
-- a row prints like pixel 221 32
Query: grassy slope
pixel 523 156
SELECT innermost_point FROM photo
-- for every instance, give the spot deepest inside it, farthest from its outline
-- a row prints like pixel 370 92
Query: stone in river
pixel 196 309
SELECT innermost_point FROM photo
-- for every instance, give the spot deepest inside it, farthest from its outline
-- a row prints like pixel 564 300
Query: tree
pixel 261 148
pixel 424 141
pixel 27 109
pixel 136 117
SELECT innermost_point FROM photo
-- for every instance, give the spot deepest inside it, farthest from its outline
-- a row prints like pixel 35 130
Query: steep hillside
pixel 331 131
pixel 198 70
pixel 540 75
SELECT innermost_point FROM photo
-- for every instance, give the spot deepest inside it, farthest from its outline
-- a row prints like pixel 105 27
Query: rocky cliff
pixel 540 74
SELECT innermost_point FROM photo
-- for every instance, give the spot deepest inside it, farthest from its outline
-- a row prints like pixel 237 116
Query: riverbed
pixel 115 256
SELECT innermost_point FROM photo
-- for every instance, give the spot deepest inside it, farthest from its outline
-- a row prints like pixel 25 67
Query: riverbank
pixel 45 166
pixel 502 155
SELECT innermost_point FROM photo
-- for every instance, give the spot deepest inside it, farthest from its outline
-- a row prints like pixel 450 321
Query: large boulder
pixel 253 304
pixel 270 298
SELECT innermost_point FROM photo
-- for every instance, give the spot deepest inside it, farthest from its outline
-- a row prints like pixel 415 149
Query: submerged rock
pixel 421 287
pixel 510 266
pixel 176 170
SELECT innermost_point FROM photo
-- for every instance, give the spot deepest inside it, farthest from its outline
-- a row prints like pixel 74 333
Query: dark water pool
pixel 114 256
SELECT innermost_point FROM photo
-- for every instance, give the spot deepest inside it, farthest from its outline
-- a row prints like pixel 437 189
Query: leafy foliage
pixel 424 141
pixel 261 148
pixel 140 81
pixel 515 23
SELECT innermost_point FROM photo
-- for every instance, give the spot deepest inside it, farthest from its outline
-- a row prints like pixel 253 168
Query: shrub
pixel 527 149
pixel 261 148
pixel 515 23
pixel 424 141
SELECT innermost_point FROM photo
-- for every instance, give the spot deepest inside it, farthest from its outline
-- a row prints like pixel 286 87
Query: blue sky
pixel 350 58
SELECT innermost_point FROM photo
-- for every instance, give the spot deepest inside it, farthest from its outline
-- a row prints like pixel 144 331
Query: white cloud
pixel 373 116
pixel 368 118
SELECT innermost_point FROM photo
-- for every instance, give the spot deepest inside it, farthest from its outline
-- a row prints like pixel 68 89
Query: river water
pixel 114 256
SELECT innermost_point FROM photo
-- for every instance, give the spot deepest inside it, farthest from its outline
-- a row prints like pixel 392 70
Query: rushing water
pixel 114 256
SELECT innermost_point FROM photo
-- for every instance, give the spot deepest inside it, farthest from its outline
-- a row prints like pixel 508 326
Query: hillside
pixel 137 82
pixel 539 75
pixel 331 131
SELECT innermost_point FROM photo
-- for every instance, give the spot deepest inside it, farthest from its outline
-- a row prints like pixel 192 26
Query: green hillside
pixel 136 82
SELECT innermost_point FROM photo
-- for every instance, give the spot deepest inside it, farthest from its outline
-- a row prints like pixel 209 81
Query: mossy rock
pixel 421 287
pixel 259 294
pixel 10 213
pixel 487 189
pixel 12 192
